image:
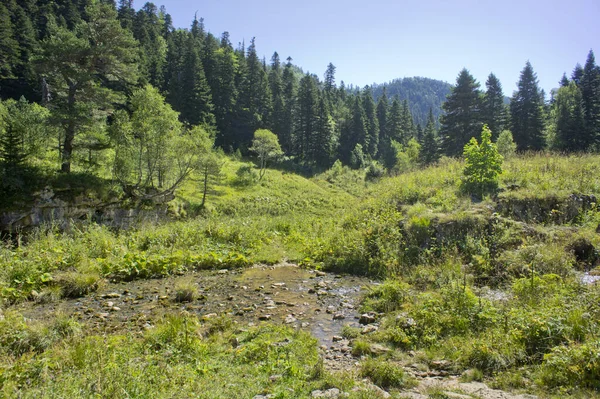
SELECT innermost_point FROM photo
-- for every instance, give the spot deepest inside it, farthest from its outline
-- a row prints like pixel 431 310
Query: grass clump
pixel 383 373
pixel 186 292
pixel 77 284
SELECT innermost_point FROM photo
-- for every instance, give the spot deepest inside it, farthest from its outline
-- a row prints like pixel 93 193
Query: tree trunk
pixel 205 187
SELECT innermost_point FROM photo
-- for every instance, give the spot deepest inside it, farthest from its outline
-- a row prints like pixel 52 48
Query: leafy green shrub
pixel 375 171
pixel 570 366
pixel 483 165
pixel 386 297
pixel 383 373
pixel 246 176
pixel 506 145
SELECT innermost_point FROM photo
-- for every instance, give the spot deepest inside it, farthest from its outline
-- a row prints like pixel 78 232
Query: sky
pixel 376 41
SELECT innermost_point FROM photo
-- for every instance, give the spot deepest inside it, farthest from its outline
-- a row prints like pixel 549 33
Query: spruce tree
pixel 493 108
pixel 570 126
pixel 408 125
pixel 395 129
pixel 577 74
pixel 382 118
pixel 225 95
pixel 371 145
pixel 526 111
pixel 323 137
pixel 290 84
pixel 430 151
pixel 306 118
pixel 590 91
pixel 462 118
pixel 195 101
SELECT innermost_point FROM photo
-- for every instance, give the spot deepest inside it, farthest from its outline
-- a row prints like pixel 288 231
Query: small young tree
pixel 266 145
pixel 506 145
pixel 483 164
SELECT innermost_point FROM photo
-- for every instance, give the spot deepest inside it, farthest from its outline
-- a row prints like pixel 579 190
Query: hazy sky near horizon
pixel 379 40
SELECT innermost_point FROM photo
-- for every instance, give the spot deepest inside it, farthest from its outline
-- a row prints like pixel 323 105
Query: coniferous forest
pixel 182 218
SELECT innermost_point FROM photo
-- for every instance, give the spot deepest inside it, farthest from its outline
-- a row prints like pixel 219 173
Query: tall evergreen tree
pixel 306 118
pixel 290 85
pixel 577 74
pixel 526 112
pixel 9 47
pixel 590 91
pixel 430 151
pixel 225 95
pixel 382 117
pixel 147 29
pixel 371 145
pixel 395 128
pixel 462 118
pixel 571 134
pixel 276 86
pixel 408 124
pixel 323 136
pixel 493 108
pixel 194 101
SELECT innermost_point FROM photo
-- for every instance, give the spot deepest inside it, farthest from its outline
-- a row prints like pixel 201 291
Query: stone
pixel 320 273
pixel 223 271
pixel 289 319
pixel 332 393
pixel 367 318
pixel 369 329
pixel 339 316
pixel 112 295
pixel 337 338
pixel 264 317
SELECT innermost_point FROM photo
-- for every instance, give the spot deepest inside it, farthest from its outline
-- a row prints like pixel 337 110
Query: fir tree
pixel 493 108
pixel 527 113
pixel 462 118
pixel 395 128
pixel 9 47
pixel 322 142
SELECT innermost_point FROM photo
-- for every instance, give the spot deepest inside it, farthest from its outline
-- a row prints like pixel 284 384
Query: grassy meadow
pixel 490 286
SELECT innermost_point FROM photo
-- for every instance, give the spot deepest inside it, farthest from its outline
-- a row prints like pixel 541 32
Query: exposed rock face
pixel 546 210
pixel 49 208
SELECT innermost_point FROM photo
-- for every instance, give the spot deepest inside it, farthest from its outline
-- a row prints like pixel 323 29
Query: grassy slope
pixel 418 227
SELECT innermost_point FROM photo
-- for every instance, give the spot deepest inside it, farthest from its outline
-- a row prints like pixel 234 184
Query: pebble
pixel 264 317
pixel 339 316
pixel 369 329
pixel 367 318
pixel 332 393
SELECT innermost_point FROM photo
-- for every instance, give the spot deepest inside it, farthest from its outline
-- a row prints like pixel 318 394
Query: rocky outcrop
pixel 547 209
pixel 48 208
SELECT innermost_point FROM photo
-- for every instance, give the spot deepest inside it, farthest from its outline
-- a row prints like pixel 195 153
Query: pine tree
pixel 395 128
pixel 276 86
pixel 12 152
pixel 564 81
pixel 590 91
pixel 570 126
pixel 329 85
pixel 147 30
pixel 371 144
pixel 462 118
pixel 577 74
pixel 382 118
pixel 70 60
pixel 493 108
pixel 527 113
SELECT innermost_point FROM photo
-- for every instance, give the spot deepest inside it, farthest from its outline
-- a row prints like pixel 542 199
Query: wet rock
pixel 115 309
pixel 209 316
pixel 330 309
pixel 337 338
pixel 332 393
pixel 109 304
pixel 369 329
pixel 378 349
pixel 367 318
pixel 277 285
pixel 264 317
pixel 339 316
pixel 440 364
pixel 112 295
pixel 289 319
pixel 321 293
pixel 223 271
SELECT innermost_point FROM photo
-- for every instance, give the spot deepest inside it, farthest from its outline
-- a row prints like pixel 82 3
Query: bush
pixel 77 284
pixel 374 171
pixel 506 145
pixel 246 176
pixel 386 297
pixel 383 373
pixel 577 365
pixel 483 165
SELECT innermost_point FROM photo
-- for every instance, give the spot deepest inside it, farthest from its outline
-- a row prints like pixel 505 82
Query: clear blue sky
pixel 377 40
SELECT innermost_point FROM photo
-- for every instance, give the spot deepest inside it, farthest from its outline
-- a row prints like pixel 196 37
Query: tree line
pixel 75 72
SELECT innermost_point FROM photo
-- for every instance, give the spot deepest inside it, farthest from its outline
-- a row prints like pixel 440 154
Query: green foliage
pixel 388 297
pixel 572 366
pixel 383 373
pixel 186 292
pixel 266 146
pixel 506 145
pixel 483 165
